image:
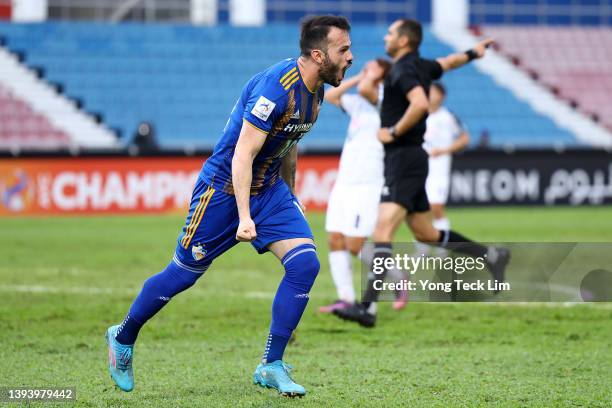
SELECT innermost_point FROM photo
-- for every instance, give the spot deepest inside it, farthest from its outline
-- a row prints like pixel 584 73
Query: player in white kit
pixel 353 204
pixel 445 136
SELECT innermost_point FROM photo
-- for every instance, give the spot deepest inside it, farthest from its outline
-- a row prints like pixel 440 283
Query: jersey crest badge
pixel 198 252
pixel 263 108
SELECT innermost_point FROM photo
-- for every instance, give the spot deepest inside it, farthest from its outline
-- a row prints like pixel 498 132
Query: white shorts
pixel 437 185
pixel 353 209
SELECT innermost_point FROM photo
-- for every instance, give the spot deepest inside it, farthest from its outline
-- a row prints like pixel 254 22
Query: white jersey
pixel 442 129
pixel 361 161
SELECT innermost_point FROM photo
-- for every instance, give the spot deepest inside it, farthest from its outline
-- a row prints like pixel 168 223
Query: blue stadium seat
pixel 185 79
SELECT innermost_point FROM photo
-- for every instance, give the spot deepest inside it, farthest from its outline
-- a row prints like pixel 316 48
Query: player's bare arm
pixel 368 86
pixel 459 59
pixel 373 73
pixel 368 89
pixel 333 95
pixel 419 104
pixel 288 168
pixel 288 171
pixel 249 144
pixel 458 145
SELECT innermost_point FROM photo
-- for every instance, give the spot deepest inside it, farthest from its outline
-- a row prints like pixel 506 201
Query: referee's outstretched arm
pixel 459 59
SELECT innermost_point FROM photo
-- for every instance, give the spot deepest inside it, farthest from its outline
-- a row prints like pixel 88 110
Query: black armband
pixel 471 54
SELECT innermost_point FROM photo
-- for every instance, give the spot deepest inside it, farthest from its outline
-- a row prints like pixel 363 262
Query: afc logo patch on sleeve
pixel 263 108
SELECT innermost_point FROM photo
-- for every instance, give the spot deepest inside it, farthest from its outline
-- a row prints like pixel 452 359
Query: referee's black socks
pixel 459 243
pixel 447 239
pixel 378 271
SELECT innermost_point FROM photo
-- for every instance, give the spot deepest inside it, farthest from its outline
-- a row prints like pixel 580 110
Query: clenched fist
pixel 246 230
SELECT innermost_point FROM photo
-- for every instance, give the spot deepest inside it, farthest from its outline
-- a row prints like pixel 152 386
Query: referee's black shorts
pixel 406 171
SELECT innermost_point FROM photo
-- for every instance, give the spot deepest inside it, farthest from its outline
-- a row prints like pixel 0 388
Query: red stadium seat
pixel 575 60
pixel 21 127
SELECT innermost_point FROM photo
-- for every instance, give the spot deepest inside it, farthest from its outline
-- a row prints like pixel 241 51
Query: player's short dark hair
pixel 413 30
pixel 315 30
pixel 385 64
pixel 440 87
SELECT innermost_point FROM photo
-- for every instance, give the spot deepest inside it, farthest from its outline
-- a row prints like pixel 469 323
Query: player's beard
pixel 330 73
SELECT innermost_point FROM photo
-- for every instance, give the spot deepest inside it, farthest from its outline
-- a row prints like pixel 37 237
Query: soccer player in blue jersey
pixel 245 192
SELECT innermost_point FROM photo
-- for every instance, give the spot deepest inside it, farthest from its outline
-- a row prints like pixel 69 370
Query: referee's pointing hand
pixel 481 47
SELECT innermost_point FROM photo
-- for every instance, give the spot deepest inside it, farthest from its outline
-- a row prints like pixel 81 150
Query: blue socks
pixel 156 292
pixel 275 347
pixel 128 331
pixel 301 269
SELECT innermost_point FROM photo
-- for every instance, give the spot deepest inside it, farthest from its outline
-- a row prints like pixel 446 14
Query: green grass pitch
pixel 65 280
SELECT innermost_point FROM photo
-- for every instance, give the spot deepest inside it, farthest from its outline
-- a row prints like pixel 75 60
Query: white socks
pixel 441 224
pixel 342 274
pixel 492 254
pixel 421 248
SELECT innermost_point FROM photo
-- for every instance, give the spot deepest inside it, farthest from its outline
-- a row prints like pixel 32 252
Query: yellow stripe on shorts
pixel 197 217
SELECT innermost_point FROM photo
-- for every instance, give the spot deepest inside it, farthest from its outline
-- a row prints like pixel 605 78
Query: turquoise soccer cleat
pixel 120 361
pixel 276 375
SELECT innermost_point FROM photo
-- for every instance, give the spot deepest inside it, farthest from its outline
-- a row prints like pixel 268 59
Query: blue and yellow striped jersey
pixel 277 102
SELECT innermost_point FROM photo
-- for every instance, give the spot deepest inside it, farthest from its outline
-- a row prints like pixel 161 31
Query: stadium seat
pixel 585 78
pixel 22 128
pixel 185 79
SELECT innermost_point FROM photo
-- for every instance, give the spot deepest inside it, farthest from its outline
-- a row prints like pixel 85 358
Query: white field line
pixel 89 290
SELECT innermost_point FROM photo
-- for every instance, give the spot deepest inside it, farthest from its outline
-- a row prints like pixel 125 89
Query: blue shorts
pixel 211 224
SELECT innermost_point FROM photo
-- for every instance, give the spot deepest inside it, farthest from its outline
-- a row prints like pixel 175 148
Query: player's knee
pixel 312 268
pixel 335 241
pixel 354 250
pixel 302 266
pixel 309 266
pixel 354 246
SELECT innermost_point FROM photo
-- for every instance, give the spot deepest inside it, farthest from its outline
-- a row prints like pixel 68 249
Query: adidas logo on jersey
pixel 296 114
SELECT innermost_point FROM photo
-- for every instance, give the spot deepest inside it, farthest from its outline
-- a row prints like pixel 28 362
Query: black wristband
pixel 471 54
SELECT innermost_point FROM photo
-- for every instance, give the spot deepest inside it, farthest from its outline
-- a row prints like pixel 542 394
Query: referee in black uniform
pixel 403 115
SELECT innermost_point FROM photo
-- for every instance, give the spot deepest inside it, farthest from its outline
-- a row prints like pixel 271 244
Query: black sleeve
pixel 434 69
pixel 406 79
